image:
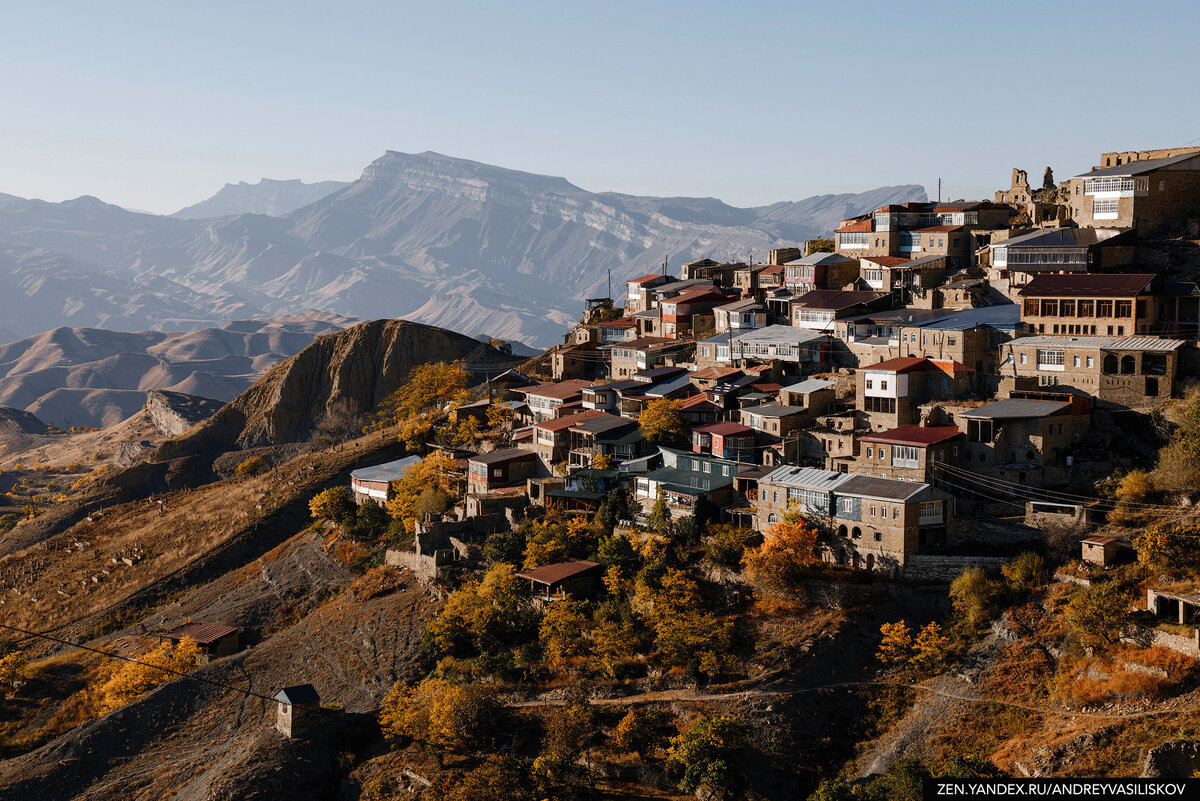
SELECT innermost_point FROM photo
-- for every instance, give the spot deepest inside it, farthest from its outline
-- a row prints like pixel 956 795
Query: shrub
pixel 707 755
pixel 643 731
pixel 251 467
pixel 135 679
pixel 974 596
pixel 1026 572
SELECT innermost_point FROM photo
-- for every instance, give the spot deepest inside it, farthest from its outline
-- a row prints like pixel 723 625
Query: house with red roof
pixel 909 453
pixel 637 291
pixel 552 438
pixel 889 392
pixel 918 229
pixel 548 401
pixel 682 313
pixel 726 440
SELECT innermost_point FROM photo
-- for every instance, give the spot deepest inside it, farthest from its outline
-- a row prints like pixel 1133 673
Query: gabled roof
pixel 601 424
pixel 620 322
pixel 202 633
pixel 822 258
pixel 1156 344
pixel 835 299
pixel 299 694
pixel 557 571
pixel 747 304
pixel 1139 167
pixel 921 436
pixel 563 423
pixel 696 295
pixel 715 373
pixel 900 364
pixel 558 391
pixel 697 400
pixel 1099 285
pixel 649 343
pixel 725 429
pixel 651 277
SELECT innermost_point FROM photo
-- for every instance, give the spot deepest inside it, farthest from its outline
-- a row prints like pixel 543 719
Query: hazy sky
pixel 155 105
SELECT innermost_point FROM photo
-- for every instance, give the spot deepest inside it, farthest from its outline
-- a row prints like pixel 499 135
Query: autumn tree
pixel 974 596
pixel 708 754
pixel 499 416
pixel 331 504
pixel 428 387
pixel 685 635
pixel 602 461
pixel 499 778
pixel 1178 468
pixel 1097 614
pixel 467 431
pixel 643 731
pixel 725 544
pixel 1026 572
pixel 484 619
pixel 566 749
pixel 1168 545
pixel 436 471
pixel 562 633
pixel 13 668
pixel 253 466
pixel 134 679
pixel 445 717
pixel 789 547
pixel 896 647
pixel 662 423
pixel 931 647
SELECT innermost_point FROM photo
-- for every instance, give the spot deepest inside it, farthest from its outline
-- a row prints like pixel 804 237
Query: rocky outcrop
pixel 17 421
pixel 1177 759
pixel 172 413
pixel 345 374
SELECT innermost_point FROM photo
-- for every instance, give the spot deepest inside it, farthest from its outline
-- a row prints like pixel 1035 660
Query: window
pixel 895 512
pixel 870 451
pixel 1050 359
pixel 776 496
pixel 872 511
pixel 497 472
pixel 1162 186
pixel 1092 186
pixel 1032 308
pixel 878 537
pixel 1074 361
pixel 869 383
pixel 1091 361
pixel 905 456
pixel 1023 359
pixel 846 506
pixel 1105 208
pixel 883 511
pixel 772 518
pixel 764 497
pixel 854 239
pixel 1124 308
pixel 1087 308
pixel 883 384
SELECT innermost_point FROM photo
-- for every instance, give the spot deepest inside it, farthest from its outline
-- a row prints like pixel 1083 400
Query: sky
pixel 154 106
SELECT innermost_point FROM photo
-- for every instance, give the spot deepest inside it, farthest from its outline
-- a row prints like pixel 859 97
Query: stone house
pixel 1129 371
pixel 1103 304
pixel 297 709
pixel 637 292
pixel 820 271
pixel 814 394
pixel 818 309
pixel 487 472
pixel 1138 190
pixel 548 401
pixel 903 277
pixel 640 354
pixel 919 229
pixel 552 438
pixel 746 313
pixel 686 477
pixel 682 314
pixel 909 453
pixel 1020 258
pixel 1023 440
pixel 890 392
pixel 727 440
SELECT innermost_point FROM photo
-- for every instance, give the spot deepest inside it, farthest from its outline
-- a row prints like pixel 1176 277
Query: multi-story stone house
pixel 908 453
pixel 1020 440
pixel 682 314
pixel 797 347
pixel 552 438
pixel 916 230
pixel 644 353
pixel 820 271
pixel 637 293
pixel 903 277
pixel 548 401
pixel 685 478
pixel 726 440
pixel 1097 304
pixel 1140 190
pixel 1060 250
pixel 821 307
pixel 814 394
pixel 1127 371
pixel 740 315
pixel 872 523
pixel 503 468
pixel 890 392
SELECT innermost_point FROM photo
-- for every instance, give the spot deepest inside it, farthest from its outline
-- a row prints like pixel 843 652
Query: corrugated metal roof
pixel 789 334
pixel 1100 285
pixel 1004 315
pixel 886 488
pixel 806 477
pixel 1014 408
pixel 504 455
pixel 1139 167
pixel 388 471
pixel 810 385
pixel 203 633
pixel 1104 343
pixel 557 571
pixel 1061 238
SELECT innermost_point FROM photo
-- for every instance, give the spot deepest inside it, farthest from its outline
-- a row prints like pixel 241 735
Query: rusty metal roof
pixel 558 571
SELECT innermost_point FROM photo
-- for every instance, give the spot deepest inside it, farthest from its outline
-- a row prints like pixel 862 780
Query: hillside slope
pixel 269 197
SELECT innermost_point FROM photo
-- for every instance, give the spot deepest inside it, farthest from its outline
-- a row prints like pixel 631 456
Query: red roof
pixel 202 633
pixel 863 225
pixel 767 387
pixel 560 391
pixel 1097 285
pixel 950 366
pixel 772 270
pixel 715 373
pixel 900 364
pixel 562 423
pixel 700 293
pixel 835 299
pixel 886 261
pixel 697 400
pixel 649 277
pixel 620 322
pixel 921 436
pixel 725 429
pixel 557 571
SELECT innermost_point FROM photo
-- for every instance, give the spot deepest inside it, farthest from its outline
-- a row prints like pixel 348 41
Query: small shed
pixel 577 577
pixel 297 709
pixel 1100 550
pixel 215 639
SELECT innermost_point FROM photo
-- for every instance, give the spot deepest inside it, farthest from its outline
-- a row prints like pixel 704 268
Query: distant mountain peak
pixel 270 196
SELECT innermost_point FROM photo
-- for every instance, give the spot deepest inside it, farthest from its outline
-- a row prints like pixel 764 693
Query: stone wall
pixel 928 567
pixel 1143 637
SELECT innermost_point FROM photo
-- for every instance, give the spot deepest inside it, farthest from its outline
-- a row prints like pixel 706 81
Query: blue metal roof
pixel 388 471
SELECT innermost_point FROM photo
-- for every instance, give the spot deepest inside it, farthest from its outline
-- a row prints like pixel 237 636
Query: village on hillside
pixel 914 500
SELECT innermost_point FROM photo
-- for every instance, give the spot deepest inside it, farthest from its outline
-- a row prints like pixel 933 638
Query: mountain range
pixel 272 198
pixel 468 246
pixel 92 377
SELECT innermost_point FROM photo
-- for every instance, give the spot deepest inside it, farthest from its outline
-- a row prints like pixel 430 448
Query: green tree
pixel 662 423
pixel 820 245
pixel 505 546
pixel 707 755
pixel 1026 572
pixel 1097 614
pixel 659 520
pixel 974 596
pixel 369 522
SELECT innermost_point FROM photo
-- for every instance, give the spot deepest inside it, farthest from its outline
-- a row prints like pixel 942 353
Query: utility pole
pixel 939 190
pixel 610 297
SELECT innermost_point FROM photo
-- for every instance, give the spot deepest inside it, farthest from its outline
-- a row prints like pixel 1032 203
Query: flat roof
pixel 836 299
pixel 790 334
pixel 811 385
pixel 1103 343
pixel 500 456
pixel 1098 285
pixel 886 488
pixel 557 571
pixel 1015 408
pixel 1061 238
pixel 388 471
pixel 774 410
pixel 807 477
pixel 1139 166
pixel 560 390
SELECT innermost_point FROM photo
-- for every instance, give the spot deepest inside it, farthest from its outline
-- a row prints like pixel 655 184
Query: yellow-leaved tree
pixel 134 679
pixel 428 387
pixel 436 471
pixel 789 547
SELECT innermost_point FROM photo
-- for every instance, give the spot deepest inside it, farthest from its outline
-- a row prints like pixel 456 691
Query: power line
pixel 108 655
pixel 1063 497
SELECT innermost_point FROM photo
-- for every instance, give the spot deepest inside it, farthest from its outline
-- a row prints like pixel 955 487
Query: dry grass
pixel 1117 677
